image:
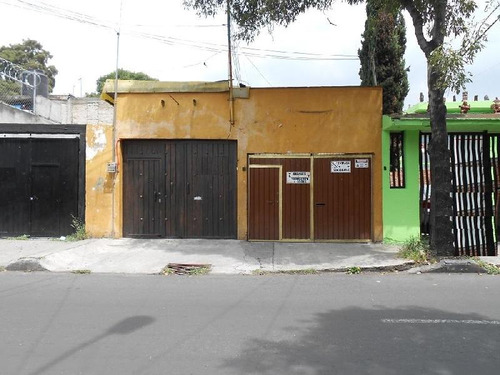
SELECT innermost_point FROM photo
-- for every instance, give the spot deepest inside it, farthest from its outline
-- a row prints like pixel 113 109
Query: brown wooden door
pixel 264 204
pixel 180 189
pixel 144 187
pixel 203 201
pixel 342 198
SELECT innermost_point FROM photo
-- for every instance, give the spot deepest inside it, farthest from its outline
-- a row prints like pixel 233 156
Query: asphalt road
pixel 281 324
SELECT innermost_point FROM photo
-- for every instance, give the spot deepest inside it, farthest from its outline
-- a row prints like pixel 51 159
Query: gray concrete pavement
pixel 377 324
pixel 142 256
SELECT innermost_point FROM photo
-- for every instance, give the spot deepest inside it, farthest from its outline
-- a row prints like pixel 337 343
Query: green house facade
pixel 405 185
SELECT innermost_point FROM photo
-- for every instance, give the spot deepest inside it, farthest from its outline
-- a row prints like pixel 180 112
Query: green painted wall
pixel 401 213
pixel 401 206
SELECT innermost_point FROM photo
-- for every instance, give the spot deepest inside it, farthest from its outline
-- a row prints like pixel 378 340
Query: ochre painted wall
pixel 98 183
pixel 275 120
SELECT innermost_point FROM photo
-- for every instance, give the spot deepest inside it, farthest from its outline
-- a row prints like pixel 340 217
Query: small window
pixel 397 174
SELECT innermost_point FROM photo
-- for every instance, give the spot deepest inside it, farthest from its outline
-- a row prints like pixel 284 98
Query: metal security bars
pixel 396 151
pixel 475 187
pixel 425 184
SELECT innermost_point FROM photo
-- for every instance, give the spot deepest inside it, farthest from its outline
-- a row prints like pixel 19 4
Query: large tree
pixel 434 21
pixel 122 74
pixel 382 55
pixel 30 55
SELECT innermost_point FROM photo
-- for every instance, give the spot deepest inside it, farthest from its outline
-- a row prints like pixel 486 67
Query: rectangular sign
pixel 362 163
pixel 298 177
pixel 340 166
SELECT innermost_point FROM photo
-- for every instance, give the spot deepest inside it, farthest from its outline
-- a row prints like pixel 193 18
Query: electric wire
pixel 51 10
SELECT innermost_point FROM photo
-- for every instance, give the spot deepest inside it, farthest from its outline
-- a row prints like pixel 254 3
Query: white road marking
pixel 440 321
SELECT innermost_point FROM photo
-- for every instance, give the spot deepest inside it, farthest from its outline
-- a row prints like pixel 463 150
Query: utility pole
pixel 115 97
pixel 230 60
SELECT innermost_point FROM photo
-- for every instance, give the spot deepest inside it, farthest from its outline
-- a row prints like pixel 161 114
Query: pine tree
pixel 382 55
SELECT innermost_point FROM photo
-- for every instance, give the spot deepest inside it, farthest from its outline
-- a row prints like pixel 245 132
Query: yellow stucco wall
pixel 277 120
pixel 98 183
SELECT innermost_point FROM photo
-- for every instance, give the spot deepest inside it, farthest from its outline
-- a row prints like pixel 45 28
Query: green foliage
pixel 80 232
pixel 491 269
pixel 415 249
pixel 30 55
pixel 22 237
pixel 382 55
pixel 353 270
pixel 254 15
pixel 122 74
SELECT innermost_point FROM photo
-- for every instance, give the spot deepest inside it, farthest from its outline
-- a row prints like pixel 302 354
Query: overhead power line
pixel 55 11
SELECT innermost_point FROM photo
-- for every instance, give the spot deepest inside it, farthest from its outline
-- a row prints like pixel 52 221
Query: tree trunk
pixel 441 225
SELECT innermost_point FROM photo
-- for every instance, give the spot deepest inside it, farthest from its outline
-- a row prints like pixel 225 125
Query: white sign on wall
pixel 298 177
pixel 361 163
pixel 340 166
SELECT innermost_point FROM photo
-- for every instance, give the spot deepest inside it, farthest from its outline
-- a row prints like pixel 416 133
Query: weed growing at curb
pixel 415 249
pixel 353 270
pixel 2 269
pixel 491 269
pixel 22 237
pixel 199 271
pixel 80 232
pixel 81 272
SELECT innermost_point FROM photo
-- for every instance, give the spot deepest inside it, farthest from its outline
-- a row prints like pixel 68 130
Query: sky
pixel 170 43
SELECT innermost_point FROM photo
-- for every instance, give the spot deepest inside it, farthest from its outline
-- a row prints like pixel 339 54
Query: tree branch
pixel 418 23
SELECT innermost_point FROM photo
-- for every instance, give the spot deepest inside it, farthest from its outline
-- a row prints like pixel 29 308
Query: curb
pixel 450 266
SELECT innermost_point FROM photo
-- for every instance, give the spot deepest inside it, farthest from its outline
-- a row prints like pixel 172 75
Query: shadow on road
pixel 124 327
pixel 378 341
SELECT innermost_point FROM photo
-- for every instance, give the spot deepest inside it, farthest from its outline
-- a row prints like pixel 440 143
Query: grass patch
pixel 80 232
pixel 353 270
pixel 2 269
pixel 415 249
pixel 22 237
pixel 491 269
pixel 81 272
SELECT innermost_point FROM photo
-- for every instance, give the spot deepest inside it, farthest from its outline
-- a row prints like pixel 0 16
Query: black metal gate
pixel 179 189
pixel 475 173
pixel 39 184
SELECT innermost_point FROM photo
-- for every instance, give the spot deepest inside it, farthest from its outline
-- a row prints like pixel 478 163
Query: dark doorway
pixel 179 189
pixel 39 186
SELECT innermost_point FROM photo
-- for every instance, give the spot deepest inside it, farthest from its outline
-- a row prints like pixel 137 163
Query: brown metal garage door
pixel 264 209
pixel 322 197
pixel 342 198
pixel 179 189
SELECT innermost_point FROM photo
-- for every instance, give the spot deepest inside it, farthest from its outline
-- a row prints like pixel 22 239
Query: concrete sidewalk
pixel 142 256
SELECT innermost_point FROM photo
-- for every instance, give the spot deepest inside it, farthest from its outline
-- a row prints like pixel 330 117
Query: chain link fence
pixel 19 86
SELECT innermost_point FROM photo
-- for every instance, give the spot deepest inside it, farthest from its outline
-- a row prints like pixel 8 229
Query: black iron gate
pixel 475 188
pixel 39 184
